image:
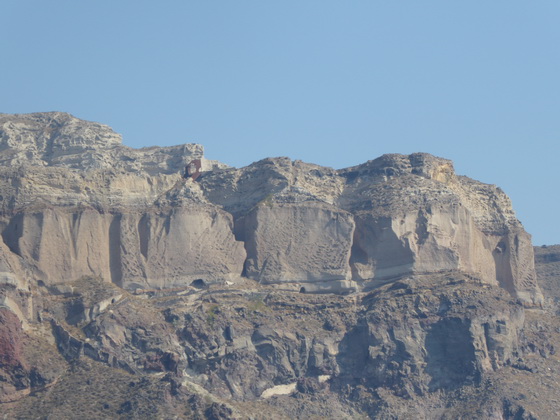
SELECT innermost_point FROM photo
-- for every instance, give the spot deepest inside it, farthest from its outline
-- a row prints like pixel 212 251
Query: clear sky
pixel 331 82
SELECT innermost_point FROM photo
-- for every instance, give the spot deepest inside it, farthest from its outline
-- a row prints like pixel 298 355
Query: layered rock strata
pixel 75 201
pixel 443 323
pixel 393 216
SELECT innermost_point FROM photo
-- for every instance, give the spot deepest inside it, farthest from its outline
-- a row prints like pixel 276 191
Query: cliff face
pixel 155 283
pixel 75 201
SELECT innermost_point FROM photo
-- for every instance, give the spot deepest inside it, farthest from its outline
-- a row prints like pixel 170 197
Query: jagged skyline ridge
pixel 66 181
pixel 326 83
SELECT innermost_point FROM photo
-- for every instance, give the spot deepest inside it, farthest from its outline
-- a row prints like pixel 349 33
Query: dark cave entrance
pixel 199 284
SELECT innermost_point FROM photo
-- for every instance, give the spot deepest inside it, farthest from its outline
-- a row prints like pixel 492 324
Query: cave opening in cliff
pixel 198 283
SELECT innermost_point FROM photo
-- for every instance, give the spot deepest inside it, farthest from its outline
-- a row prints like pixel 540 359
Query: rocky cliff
pixel 154 283
pixel 75 201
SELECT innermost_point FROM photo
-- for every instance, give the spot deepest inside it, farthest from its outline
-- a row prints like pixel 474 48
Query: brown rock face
pixel 11 336
pixel 13 369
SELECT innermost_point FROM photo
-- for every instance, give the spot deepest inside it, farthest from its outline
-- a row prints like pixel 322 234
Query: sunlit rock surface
pixel 153 283
pixel 75 202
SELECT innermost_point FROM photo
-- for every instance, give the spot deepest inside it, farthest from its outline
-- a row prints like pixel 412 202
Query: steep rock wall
pixel 74 201
pixel 146 250
pixel 300 244
pixel 411 214
pixel 439 239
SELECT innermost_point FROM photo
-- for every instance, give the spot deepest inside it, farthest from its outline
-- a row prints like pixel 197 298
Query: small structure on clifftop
pixel 193 169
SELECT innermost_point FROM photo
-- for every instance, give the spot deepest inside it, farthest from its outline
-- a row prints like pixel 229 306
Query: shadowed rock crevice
pixel 13 232
pixel 144 235
pixel 450 352
pixel 115 261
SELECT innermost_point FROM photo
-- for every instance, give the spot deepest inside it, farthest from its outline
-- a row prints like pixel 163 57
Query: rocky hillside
pixel 153 283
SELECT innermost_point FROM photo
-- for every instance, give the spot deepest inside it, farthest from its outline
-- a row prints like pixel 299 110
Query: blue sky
pixel 330 82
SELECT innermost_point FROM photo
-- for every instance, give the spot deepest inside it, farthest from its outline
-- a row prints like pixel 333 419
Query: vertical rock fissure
pixel 115 261
pixel 144 235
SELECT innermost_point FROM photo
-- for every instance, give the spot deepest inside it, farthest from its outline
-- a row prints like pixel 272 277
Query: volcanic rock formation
pixel 154 283
pixel 75 201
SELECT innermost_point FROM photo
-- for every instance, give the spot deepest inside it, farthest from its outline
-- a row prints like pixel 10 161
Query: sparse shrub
pixel 211 314
pixel 257 304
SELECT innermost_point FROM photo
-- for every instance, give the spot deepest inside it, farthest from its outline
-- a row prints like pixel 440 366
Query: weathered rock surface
pixel 412 215
pixel 423 347
pixel 58 139
pixel 299 243
pixel 135 250
pixel 13 369
pixel 75 201
pixel 153 283
pixel 414 337
pixel 415 215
